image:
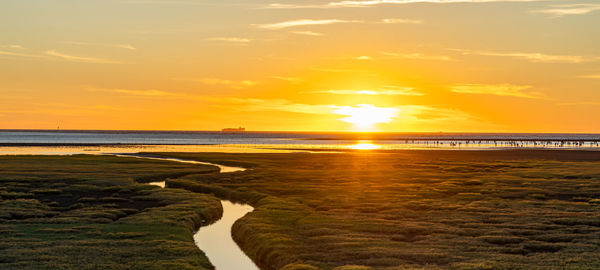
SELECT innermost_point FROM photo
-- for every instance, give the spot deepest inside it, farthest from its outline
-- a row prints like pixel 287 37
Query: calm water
pixel 65 142
pixel 216 241
pixel 222 168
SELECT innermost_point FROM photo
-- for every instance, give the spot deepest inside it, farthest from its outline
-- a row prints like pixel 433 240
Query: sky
pixel 301 65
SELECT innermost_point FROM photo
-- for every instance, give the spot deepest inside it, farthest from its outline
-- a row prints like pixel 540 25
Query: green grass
pixel 413 209
pixel 88 212
pixel 348 211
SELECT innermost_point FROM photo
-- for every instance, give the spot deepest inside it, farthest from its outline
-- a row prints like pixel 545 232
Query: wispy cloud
pixel 417 56
pixel 366 3
pixel 534 57
pixel 7 53
pixel 569 9
pixel 181 2
pixel 119 46
pixel 230 39
pixel 508 90
pixel 307 33
pixel 386 91
pixel 593 76
pixel 81 59
pixel 135 92
pixel 405 113
pixel 293 6
pixel 46 108
pixel 370 3
pixel 223 82
pixel 400 21
pixel 430 114
pixel 143 92
pixel 282 105
pixel 303 22
pixel 12 46
pixel 288 79
pixel 339 70
pixel 54 54
pixel 580 103
pixel 310 22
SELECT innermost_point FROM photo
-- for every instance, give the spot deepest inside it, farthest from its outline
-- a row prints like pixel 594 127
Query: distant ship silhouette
pixel 240 129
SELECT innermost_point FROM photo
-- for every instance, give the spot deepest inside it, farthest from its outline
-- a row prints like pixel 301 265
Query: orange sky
pixel 460 66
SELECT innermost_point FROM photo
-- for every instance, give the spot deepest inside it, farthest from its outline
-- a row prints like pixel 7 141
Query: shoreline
pixel 337 147
pixel 94 144
pixel 581 153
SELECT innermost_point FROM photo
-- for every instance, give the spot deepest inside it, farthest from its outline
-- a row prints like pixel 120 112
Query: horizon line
pixel 290 131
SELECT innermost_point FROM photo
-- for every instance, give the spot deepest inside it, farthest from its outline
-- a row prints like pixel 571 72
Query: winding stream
pixel 217 243
pixel 215 240
pixel 224 169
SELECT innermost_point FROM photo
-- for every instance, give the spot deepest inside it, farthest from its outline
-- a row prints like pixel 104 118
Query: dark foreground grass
pixel 88 212
pixel 413 209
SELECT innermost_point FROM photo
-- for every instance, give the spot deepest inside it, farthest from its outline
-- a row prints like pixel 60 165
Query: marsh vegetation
pixel 347 211
pixel 88 212
pixel 413 209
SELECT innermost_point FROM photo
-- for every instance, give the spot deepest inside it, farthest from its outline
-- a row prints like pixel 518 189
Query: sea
pixel 117 141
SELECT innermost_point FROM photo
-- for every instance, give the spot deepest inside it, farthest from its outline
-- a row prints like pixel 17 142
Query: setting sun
pixel 364 117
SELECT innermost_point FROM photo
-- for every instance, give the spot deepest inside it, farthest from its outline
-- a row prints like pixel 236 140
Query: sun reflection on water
pixel 364 145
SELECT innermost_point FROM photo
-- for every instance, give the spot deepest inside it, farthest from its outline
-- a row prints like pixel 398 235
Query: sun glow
pixel 364 145
pixel 366 116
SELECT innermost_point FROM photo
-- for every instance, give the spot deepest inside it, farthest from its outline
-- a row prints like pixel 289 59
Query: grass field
pixel 347 211
pixel 414 209
pixel 88 212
